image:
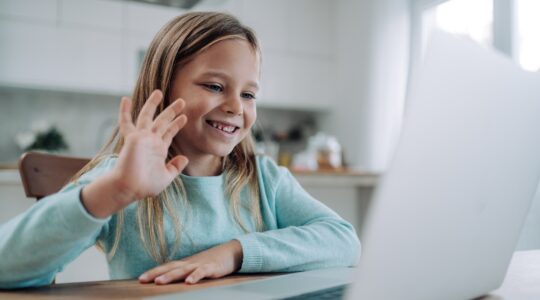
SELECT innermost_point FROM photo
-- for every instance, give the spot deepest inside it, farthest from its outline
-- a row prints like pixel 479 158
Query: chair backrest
pixel 43 174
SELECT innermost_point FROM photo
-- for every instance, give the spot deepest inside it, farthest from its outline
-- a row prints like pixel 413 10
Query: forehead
pixel 234 56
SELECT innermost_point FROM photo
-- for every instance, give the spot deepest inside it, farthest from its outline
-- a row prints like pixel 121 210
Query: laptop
pixel 446 216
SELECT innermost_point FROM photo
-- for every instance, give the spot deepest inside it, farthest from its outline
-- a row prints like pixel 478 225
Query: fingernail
pixel 189 280
pixel 143 277
pixel 161 279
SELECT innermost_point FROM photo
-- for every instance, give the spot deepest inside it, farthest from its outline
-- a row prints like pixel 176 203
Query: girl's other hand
pixel 215 262
pixel 142 169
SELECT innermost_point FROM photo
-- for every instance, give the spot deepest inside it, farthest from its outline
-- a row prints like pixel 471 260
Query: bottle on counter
pixel 323 152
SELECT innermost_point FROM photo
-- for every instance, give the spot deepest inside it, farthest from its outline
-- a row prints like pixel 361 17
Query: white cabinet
pixel 95 45
pixel 88 46
pixel 39 10
pixel 64 58
pixel 298 55
pixel 148 19
pixel 349 195
pixel 303 27
pixel 94 14
pixel 142 22
pixel 295 81
pixel 135 46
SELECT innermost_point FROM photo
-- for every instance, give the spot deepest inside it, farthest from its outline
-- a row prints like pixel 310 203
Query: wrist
pixel 237 254
pixel 106 196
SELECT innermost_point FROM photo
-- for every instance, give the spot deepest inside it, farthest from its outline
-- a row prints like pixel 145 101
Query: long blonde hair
pixel 180 40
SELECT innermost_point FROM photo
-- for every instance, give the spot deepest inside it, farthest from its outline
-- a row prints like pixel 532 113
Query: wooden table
pixel 117 289
pixel 522 282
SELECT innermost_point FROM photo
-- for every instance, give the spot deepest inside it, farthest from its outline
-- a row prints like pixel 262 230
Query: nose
pixel 233 105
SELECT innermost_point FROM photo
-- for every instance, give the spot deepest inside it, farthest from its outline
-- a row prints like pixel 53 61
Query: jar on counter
pixel 328 151
pixel 323 152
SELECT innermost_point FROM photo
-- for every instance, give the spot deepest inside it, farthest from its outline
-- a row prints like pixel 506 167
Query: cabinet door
pixel 292 81
pixel 298 56
pixel 38 55
pixel 148 19
pixel 68 45
pixel 136 46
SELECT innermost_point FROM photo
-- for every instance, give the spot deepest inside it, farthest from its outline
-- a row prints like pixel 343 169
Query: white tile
pixel 49 56
pixel 300 26
pixel 135 46
pixel 27 52
pixel 297 81
pixel 311 25
pixel 234 7
pixel 100 58
pixel 92 13
pixel 145 18
pixel 42 10
pixel 268 19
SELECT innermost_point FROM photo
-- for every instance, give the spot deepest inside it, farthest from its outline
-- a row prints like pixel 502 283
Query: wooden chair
pixel 43 174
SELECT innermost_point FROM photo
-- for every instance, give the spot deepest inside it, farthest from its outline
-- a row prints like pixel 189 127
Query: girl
pixel 180 195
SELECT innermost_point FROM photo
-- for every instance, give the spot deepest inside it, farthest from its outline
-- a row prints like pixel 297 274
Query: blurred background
pixel 335 78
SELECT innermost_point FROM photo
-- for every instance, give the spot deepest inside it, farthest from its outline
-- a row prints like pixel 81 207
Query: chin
pixel 221 151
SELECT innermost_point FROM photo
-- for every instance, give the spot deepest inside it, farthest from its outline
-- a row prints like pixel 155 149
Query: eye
pixel 213 87
pixel 249 96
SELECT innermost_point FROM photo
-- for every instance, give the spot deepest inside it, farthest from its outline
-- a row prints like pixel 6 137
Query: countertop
pixel 9 176
pixel 323 178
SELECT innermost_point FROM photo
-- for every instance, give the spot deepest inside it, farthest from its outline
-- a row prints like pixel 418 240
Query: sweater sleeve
pixel 38 243
pixel 309 235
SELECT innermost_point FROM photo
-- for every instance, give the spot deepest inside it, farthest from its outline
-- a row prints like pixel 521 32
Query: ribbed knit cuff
pixel 253 260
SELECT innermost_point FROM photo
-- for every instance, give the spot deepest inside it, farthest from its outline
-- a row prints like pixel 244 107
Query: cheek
pixel 194 110
pixel 250 115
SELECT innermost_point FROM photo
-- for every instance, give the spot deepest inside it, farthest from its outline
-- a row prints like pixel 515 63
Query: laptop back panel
pixel 446 217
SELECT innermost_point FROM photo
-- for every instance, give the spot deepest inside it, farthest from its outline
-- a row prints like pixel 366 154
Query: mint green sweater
pixel 301 233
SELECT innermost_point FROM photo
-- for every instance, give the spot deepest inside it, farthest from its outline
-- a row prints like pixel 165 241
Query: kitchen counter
pixel 9 176
pixel 329 178
pixel 306 178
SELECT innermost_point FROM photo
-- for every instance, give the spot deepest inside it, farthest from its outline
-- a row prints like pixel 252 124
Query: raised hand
pixel 142 161
pixel 141 169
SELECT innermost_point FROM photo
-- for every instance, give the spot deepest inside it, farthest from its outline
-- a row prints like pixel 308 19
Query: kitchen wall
pixel 68 62
pixel 372 51
pixel 85 120
pixel 348 59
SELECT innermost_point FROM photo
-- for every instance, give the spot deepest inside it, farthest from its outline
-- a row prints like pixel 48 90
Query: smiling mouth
pixel 223 127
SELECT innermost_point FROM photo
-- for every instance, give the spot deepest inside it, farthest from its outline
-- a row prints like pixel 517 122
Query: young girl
pixel 180 195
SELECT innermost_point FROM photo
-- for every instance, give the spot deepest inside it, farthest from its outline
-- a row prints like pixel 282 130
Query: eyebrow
pixel 226 76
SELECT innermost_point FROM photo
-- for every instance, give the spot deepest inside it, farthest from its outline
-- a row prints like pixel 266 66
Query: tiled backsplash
pixel 87 120
pixel 84 120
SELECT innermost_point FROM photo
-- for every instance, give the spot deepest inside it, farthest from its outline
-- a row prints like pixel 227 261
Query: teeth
pixel 228 129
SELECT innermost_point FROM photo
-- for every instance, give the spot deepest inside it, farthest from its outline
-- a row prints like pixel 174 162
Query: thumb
pixel 177 164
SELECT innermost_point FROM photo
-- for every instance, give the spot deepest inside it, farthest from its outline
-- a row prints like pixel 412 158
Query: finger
pixel 125 123
pixel 151 274
pixel 201 272
pixel 173 129
pixel 161 123
pixel 149 109
pixel 177 274
pixel 176 165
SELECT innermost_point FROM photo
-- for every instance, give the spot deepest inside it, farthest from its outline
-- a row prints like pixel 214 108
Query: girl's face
pixel 219 86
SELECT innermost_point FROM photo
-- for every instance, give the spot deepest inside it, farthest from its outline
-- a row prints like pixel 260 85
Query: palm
pixel 142 161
